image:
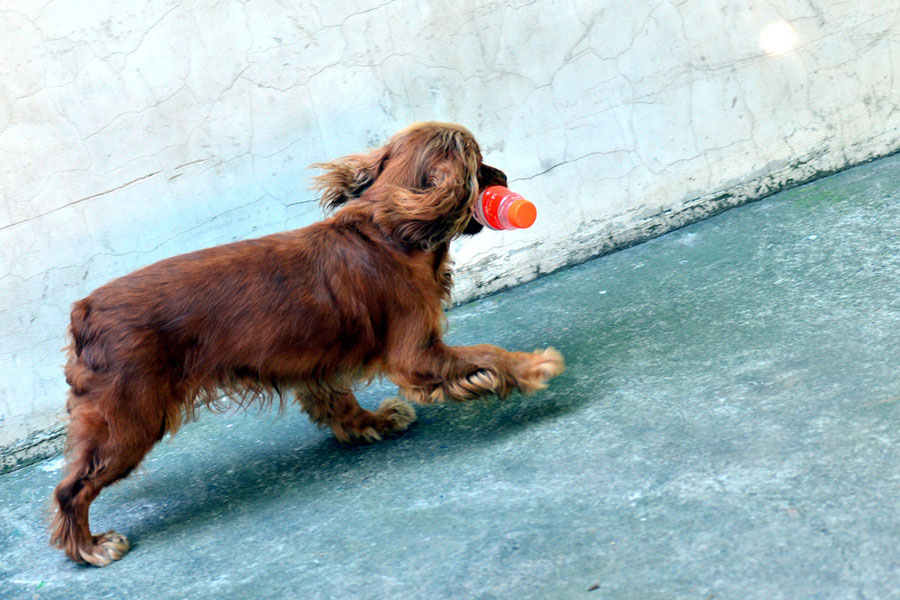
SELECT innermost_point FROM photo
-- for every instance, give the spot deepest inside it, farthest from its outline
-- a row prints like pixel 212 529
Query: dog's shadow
pixel 252 462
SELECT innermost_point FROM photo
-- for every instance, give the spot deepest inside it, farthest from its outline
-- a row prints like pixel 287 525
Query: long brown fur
pixel 303 314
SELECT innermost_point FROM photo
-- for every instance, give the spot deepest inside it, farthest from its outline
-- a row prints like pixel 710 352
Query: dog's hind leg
pixel 351 422
pixel 103 447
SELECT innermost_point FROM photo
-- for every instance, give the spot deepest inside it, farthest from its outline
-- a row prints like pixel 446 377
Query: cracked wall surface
pixel 132 131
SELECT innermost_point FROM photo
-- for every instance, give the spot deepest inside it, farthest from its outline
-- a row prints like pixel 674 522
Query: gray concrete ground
pixel 726 428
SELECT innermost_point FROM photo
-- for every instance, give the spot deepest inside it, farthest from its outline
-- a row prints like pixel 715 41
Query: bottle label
pixel 487 209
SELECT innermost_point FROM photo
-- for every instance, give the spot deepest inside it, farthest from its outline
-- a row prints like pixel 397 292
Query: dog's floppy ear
pixel 429 216
pixel 347 178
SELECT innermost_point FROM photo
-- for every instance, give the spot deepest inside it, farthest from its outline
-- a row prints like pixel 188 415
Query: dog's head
pixel 420 187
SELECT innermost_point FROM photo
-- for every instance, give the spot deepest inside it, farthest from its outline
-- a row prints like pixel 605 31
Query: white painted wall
pixel 134 130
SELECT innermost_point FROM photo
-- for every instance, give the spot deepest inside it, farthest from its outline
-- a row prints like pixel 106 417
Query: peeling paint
pixel 36 447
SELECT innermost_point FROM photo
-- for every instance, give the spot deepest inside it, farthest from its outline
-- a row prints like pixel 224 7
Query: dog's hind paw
pixel 108 547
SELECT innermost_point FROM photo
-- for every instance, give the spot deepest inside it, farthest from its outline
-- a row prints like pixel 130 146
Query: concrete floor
pixel 727 428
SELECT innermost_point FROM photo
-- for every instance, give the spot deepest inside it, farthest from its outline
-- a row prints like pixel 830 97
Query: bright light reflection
pixel 778 38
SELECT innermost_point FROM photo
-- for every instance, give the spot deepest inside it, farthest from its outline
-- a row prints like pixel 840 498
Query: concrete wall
pixel 135 130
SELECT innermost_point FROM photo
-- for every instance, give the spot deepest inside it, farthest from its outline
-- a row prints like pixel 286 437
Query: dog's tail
pixel 77 371
pixel 79 330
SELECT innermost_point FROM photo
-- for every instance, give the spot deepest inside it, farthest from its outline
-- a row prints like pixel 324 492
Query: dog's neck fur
pixel 359 218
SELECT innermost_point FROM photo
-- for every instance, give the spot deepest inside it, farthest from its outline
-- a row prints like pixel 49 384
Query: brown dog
pixel 309 311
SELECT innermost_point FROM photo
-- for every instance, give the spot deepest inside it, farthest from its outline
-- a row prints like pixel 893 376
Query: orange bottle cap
pixel 522 213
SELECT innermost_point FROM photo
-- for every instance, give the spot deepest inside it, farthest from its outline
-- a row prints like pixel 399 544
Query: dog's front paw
pixel 537 368
pixel 392 416
pixel 399 414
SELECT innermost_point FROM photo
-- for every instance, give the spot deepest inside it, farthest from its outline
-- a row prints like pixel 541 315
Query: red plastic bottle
pixel 499 208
